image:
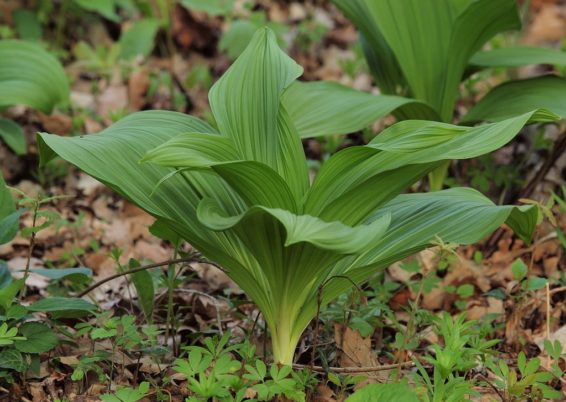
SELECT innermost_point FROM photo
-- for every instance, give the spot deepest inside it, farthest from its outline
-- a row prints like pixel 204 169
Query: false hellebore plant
pixel 241 195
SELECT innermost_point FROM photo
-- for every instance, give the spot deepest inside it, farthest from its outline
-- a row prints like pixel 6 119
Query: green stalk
pixel 284 337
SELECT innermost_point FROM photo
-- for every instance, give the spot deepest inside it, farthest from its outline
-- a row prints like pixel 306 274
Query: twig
pixel 318 306
pixel 547 288
pixel 492 386
pixel 216 305
pixel 30 250
pixel 558 149
pixel 133 271
pixel 383 367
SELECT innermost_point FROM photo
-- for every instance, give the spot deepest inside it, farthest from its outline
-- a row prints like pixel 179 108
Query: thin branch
pixel 349 370
pixel 133 271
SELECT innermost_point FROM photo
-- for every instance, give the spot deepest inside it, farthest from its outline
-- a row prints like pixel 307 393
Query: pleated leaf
pixel 431 42
pixel 323 108
pixel 460 215
pixel 397 158
pixel 378 53
pixel 246 105
pixel 113 156
pixel 332 236
pixel 31 76
pixel 516 97
pixel 255 182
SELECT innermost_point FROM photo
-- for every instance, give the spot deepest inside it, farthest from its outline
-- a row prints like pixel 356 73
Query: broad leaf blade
pixel 246 106
pixel 31 76
pixel 332 236
pixel 381 59
pixel 397 158
pixel 113 156
pixel 516 97
pixel 323 108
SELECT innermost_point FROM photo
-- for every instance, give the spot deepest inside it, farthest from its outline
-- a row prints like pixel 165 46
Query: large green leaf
pixel 332 236
pixel 516 97
pixel 31 76
pixel 322 108
pixel 246 105
pixel 254 181
pixel 460 215
pixel 397 158
pixel 113 156
pixel 518 56
pixel 431 41
pixel 379 55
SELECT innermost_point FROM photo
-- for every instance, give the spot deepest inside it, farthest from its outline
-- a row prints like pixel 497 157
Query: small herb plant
pixel 241 193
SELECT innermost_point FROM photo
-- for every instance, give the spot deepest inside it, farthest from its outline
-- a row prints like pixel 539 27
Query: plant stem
pixel 30 250
pixel 143 268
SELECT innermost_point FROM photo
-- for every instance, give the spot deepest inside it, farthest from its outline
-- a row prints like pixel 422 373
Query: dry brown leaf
pixel 57 123
pixel 549 25
pixel 138 85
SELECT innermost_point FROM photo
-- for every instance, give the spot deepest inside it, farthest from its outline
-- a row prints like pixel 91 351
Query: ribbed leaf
pixel 31 76
pixel 478 22
pixel 255 182
pixel 387 164
pixel 518 56
pixel 324 107
pixel 380 57
pixel 516 97
pixel 460 215
pixel 246 105
pixel 193 150
pixel 431 41
pixel 113 156
pixel 332 236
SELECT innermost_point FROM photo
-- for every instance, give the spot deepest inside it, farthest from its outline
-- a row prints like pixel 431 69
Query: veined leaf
pixel 383 63
pixel 254 181
pixel 518 56
pixel 247 108
pixel 31 76
pixel 397 158
pixel 331 236
pixel 322 108
pixel 516 97
pixel 459 215
pixel 431 42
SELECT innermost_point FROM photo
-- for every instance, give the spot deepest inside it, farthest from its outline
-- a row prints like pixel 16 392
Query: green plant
pixel 29 76
pixel 424 49
pixel 462 350
pixel 127 394
pixel 243 198
pixel 529 380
